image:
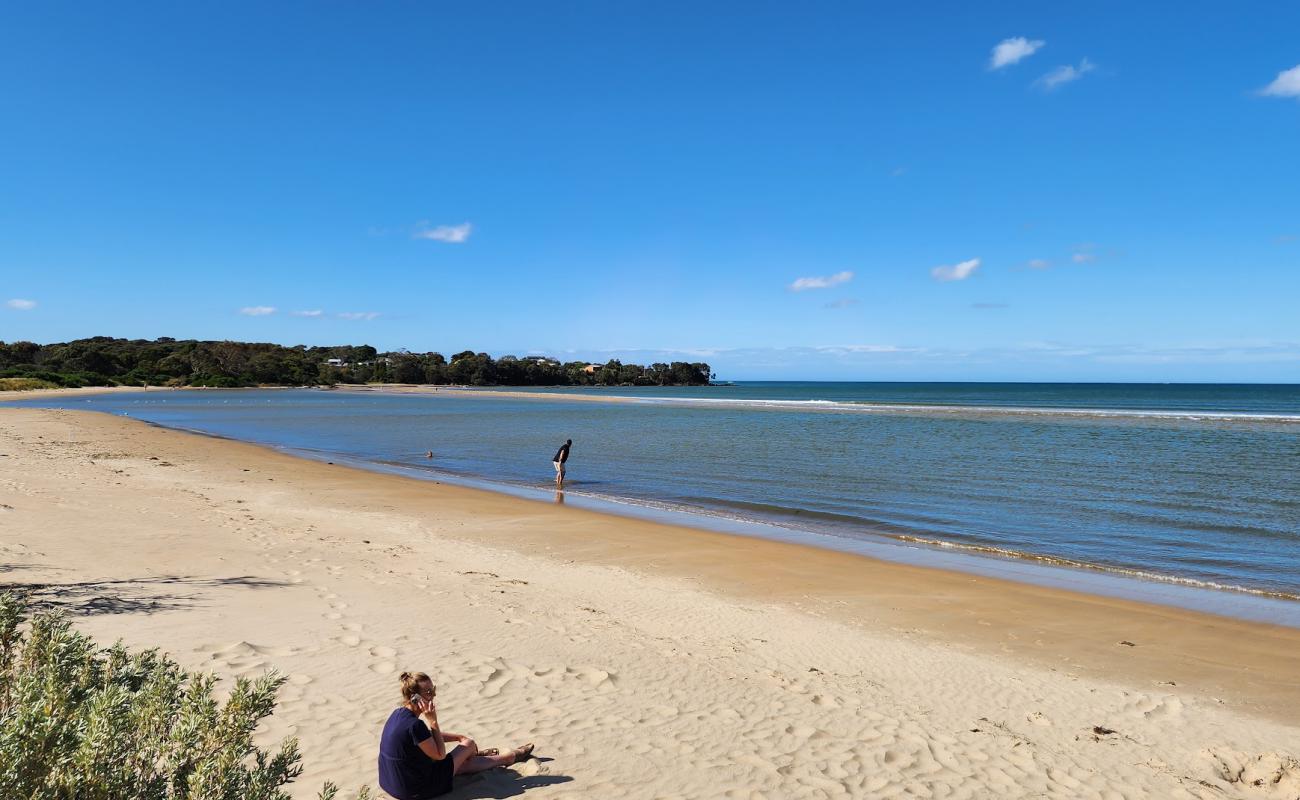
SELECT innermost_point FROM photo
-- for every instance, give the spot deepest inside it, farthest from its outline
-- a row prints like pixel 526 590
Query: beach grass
pixel 25 384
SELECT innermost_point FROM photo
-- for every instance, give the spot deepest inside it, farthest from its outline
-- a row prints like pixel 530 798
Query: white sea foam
pixel 955 410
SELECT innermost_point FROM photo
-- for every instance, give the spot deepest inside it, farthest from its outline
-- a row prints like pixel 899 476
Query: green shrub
pixel 29 371
pixel 24 384
pixel 78 721
pixel 78 379
pixel 70 380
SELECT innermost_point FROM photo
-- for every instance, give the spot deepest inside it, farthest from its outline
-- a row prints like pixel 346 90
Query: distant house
pixel 590 369
pixel 336 362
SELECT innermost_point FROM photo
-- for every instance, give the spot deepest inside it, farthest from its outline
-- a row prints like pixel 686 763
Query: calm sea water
pixel 1194 484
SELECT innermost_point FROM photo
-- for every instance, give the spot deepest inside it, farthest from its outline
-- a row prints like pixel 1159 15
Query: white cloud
pixel 1065 74
pixel 316 312
pixel 861 348
pixel 21 305
pixel 1286 84
pixel 957 272
pixel 1011 51
pixel 358 314
pixel 257 311
pixel 1083 258
pixel 1039 263
pixel 803 284
pixel 847 302
pixel 452 234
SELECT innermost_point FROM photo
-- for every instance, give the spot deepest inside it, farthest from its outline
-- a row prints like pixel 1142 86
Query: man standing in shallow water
pixel 561 456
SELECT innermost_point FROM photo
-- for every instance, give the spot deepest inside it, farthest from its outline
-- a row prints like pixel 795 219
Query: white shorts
pixel 559 466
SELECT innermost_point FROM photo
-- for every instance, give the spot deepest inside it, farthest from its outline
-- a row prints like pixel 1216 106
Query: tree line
pixel 104 361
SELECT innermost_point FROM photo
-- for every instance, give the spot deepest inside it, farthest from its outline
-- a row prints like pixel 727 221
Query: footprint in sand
pixel 1153 707
pixel 245 657
pixel 242 649
pixel 350 639
pixel 336 613
pixel 382 667
pixel 380 651
pixel 663 713
pixel 600 679
pixel 1253 770
pixel 495 681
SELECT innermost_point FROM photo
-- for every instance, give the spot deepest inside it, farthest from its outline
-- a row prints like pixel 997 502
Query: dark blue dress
pixel 405 771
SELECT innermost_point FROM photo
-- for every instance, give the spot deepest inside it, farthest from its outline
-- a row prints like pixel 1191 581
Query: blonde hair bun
pixel 411 683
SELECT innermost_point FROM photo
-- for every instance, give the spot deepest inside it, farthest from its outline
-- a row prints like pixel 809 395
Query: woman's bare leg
pixel 462 754
pixel 483 763
pixel 479 763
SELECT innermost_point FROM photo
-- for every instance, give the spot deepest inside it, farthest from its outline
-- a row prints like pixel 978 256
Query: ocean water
pixel 1185 484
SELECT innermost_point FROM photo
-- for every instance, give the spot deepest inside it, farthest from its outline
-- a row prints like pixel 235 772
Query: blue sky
pixel 885 191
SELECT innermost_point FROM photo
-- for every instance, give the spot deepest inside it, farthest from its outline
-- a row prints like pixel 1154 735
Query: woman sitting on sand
pixel 414 762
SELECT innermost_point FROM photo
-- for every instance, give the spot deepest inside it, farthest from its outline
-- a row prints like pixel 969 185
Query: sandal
pixel 523 753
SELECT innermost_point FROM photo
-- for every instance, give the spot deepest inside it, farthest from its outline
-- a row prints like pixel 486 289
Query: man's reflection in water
pixel 559 497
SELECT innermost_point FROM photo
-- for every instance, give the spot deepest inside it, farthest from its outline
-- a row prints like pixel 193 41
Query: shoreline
pixel 645 659
pixel 85 391
pixel 1171 590
pixel 737 564
pixel 1232 602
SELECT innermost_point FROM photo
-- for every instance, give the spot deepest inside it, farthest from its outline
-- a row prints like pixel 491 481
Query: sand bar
pixel 86 391
pixel 646 660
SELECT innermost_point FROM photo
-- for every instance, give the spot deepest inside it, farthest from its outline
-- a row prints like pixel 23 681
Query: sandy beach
pixel 644 660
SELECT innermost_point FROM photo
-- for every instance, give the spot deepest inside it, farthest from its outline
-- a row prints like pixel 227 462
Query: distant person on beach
pixel 414 762
pixel 561 456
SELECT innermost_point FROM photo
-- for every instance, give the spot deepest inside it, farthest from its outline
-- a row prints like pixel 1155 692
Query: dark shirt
pixel 405 771
pixel 562 455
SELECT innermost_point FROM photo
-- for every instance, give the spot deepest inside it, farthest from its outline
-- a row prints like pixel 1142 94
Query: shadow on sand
pixel 501 782
pixel 126 596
